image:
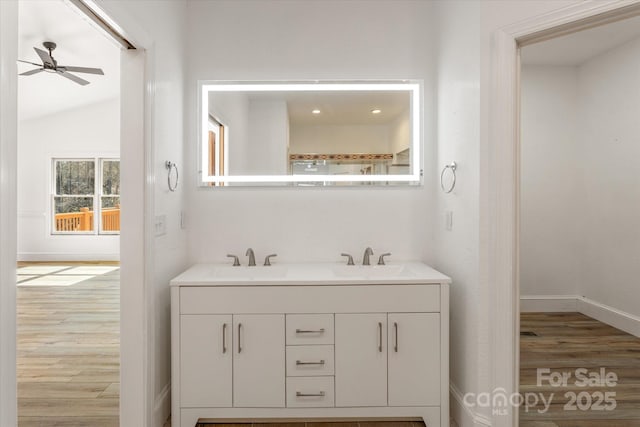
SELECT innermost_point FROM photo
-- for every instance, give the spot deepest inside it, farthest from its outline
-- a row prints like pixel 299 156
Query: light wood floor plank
pixel 68 353
pixel 565 342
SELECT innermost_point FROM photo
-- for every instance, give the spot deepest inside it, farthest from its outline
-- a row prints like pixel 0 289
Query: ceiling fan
pixel 50 65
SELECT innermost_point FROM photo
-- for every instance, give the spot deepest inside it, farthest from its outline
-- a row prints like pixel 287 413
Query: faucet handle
pixel 267 259
pixel 381 259
pixel 350 261
pixel 236 261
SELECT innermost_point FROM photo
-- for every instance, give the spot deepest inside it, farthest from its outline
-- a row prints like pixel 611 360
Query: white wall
pixel 328 139
pixel 458 90
pixel 609 95
pixel 291 40
pixel 232 110
pixel 8 217
pixel 464 32
pixel 400 134
pixel 551 174
pixel 161 24
pixel 581 186
pixel 90 131
pixel 268 137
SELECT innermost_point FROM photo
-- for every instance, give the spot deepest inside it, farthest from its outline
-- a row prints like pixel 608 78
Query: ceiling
pixel 80 43
pixel 336 107
pixel 574 49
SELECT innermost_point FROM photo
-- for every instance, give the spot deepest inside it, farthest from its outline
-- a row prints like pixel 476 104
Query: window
pixel 82 187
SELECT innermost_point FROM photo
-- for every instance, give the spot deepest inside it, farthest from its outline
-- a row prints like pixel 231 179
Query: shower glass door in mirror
pixel 310 133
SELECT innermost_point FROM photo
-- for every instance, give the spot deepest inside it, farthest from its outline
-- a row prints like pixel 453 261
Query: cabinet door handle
pixel 395 327
pixel 310 331
pixel 239 338
pixel 300 394
pixel 300 362
pixel 224 338
pixel 380 337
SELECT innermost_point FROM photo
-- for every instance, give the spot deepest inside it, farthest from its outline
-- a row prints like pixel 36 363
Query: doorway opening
pixel 580 227
pixel 68 202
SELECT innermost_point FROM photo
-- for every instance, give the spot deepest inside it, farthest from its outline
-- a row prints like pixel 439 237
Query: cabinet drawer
pixel 309 360
pixel 310 392
pixel 303 329
pixel 310 299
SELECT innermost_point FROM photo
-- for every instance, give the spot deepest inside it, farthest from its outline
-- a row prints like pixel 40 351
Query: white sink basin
pixel 372 271
pixel 250 273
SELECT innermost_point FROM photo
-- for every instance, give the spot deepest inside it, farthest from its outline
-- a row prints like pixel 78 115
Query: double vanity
pixel 310 341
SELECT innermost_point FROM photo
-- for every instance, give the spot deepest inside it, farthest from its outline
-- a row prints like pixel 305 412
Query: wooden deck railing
pixel 83 220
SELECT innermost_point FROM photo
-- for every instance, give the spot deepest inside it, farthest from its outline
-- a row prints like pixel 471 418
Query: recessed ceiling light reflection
pixel 316 111
pixel 376 111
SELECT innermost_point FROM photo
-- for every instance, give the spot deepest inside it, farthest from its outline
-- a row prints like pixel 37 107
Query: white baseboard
pixel 611 316
pixel 462 414
pixel 162 407
pixel 57 256
pixel 548 303
pixel 569 303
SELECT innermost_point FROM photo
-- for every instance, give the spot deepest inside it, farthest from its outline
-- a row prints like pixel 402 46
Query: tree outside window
pixel 82 187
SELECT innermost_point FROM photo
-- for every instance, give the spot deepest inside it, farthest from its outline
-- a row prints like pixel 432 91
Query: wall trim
pixel 57 256
pixel 162 406
pixel 462 414
pixel 611 316
pixel 562 303
pixel 549 303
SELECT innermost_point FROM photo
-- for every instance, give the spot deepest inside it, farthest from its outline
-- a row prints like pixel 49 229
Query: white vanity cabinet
pixel 205 364
pixel 388 359
pixel 316 349
pixel 361 359
pixel 258 361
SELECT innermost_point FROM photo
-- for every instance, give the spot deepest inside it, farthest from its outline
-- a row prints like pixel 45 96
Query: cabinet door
pixel 414 359
pixel 361 359
pixel 205 360
pixel 258 361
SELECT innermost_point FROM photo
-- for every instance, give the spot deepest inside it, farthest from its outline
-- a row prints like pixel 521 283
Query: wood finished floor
pixel 68 351
pixel 566 342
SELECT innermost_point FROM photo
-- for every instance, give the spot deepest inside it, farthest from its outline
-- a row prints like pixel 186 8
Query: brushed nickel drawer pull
pixel 299 362
pixel 239 338
pixel 299 394
pixel 380 337
pixel 310 331
pixel 224 338
pixel 395 326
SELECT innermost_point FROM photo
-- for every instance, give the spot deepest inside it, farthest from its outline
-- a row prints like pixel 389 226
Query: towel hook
pixel 452 166
pixel 170 168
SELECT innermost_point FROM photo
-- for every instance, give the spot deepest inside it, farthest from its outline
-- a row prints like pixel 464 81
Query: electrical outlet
pixel 448 220
pixel 160 226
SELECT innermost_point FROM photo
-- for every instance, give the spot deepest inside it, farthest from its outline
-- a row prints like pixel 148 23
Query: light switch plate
pixel 160 226
pixel 448 220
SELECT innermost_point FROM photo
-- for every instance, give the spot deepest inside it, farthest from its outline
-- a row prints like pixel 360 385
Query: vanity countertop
pixel 317 274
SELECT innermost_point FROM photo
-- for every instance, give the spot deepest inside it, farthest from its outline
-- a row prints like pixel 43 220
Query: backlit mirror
pixel 310 133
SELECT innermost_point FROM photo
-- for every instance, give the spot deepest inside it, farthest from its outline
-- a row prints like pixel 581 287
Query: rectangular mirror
pixel 310 133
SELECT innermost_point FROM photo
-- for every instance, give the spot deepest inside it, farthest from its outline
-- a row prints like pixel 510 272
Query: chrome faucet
pixel 367 253
pixel 252 257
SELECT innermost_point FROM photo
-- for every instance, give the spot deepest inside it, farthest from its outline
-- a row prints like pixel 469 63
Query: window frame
pixel 96 196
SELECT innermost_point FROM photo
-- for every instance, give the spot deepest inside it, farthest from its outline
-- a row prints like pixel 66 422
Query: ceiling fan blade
pixel 46 58
pixel 31 72
pixel 73 78
pixel 32 63
pixel 82 69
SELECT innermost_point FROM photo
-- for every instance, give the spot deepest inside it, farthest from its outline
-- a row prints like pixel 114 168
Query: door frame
pixel 503 176
pixel 136 302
